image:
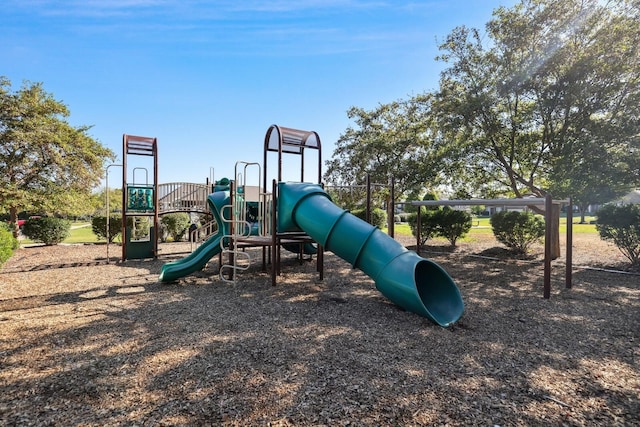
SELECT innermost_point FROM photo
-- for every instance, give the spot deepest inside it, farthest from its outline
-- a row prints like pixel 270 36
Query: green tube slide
pixel 414 283
pixel 211 247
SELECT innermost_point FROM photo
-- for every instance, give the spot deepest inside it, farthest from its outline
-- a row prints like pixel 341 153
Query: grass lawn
pixel 482 227
pixel 577 228
pixel 81 233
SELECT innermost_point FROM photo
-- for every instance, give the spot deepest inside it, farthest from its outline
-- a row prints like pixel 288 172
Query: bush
pixel 404 216
pixel 621 225
pixel 139 227
pixel 176 225
pixel 428 227
pixel 99 227
pixel 448 223
pixel 517 230
pixel 8 243
pixel 47 230
pixel 451 224
pixel 378 216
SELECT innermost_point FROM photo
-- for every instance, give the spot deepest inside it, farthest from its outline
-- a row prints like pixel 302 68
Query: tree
pixel 45 163
pixel 99 201
pixel 598 175
pixel 391 140
pixel 557 83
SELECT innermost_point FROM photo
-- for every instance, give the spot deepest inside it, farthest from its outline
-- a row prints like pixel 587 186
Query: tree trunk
pixel 13 217
pixel 583 213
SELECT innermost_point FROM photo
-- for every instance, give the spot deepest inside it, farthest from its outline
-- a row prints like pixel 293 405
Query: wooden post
pixel 392 209
pixel 555 230
pixel 274 233
pixel 124 198
pixel 569 272
pixel 419 226
pixel 548 219
pixel 368 208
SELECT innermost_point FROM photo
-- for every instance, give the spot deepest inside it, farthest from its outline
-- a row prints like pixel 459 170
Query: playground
pixel 90 343
pixel 295 312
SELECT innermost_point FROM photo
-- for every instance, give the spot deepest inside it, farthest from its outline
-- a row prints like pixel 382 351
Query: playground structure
pixel 547 204
pixel 143 201
pixel 300 217
pixel 139 201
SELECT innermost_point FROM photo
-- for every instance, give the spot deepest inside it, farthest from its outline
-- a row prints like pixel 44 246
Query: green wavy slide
pixel 414 283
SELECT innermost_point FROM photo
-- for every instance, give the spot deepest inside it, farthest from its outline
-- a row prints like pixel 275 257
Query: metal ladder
pixel 238 225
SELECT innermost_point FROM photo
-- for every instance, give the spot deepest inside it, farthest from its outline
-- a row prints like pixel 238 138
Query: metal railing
pixel 202 233
pixel 182 197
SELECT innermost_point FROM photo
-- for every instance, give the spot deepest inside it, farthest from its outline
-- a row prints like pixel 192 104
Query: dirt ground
pixel 84 342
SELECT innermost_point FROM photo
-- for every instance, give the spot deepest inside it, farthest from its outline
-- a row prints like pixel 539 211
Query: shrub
pixel 139 227
pixel 517 230
pixel 451 224
pixel 176 224
pixel 47 230
pixel 428 227
pixel 621 225
pixel 8 243
pixel 163 234
pixel 404 216
pixel 378 216
pixel 448 223
pixel 99 227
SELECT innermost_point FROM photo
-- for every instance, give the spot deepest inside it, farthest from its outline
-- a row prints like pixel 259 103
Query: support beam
pixel 551 209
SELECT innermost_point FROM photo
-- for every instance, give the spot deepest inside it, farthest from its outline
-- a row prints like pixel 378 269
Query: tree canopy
pixel 547 100
pixel 390 140
pixel 46 164
pixel 552 103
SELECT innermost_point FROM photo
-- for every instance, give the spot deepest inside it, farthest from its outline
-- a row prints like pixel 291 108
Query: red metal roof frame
pixel 140 145
pixel 291 141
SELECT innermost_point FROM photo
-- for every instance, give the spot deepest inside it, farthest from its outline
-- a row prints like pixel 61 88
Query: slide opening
pixel 438 292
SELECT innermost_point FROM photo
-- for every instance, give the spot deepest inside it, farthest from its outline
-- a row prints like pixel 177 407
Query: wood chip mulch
pixel 84 342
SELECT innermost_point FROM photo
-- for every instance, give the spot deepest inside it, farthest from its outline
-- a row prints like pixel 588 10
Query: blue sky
pixel 208 78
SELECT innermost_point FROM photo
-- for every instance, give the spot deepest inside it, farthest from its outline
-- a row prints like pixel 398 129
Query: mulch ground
pixel 84 342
